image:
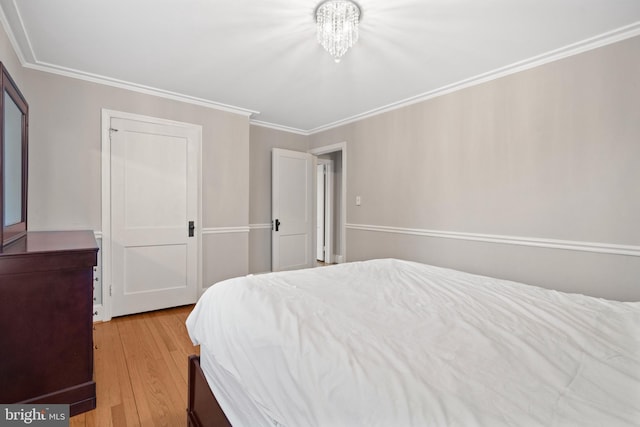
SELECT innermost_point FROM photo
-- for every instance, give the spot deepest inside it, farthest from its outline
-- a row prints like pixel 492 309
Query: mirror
pixel 13 167
pixel 12 162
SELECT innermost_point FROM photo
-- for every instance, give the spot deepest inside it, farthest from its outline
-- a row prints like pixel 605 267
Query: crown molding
pixel 30 61
pixel 279 127
pixel 604 39
pixel 12 37
pixel 134 87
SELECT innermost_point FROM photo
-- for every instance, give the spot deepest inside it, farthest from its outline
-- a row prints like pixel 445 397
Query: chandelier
pixel 337 25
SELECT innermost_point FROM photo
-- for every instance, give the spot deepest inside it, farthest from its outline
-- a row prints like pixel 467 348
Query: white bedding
pixel 396 343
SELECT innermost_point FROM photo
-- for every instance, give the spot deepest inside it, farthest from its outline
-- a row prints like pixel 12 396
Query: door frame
pixel 106 258
pixel 327 149
pixel 328 208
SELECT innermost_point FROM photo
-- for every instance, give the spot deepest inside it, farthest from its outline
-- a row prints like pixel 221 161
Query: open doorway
pixel 324 211
pixel 334 212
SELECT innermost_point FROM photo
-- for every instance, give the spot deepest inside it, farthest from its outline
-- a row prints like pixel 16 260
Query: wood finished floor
pixel 140 365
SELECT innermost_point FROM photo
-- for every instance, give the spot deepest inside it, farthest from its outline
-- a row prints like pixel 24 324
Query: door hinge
pixel 110 290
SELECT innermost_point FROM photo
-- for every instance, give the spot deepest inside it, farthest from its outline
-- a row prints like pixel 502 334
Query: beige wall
pixel 9 59
pixel 262 141
pixel 65 159
pixel 549 153
pixel 65 151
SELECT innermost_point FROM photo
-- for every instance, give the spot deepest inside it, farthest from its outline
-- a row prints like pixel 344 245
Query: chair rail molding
pixel 260 226
pixel 226 230
pixel 572 245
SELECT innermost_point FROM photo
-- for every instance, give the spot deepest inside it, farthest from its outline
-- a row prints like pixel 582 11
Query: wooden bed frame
pixel 203 409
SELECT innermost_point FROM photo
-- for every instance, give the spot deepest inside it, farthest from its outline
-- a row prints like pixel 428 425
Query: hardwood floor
pixel 141 370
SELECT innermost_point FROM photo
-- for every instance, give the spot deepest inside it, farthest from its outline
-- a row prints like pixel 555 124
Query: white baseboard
pixel 98 313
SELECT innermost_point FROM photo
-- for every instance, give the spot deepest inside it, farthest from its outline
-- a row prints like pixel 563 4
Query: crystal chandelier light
pixel 337 25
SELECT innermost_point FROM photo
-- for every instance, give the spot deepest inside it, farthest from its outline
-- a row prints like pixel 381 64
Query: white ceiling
pixel 262 57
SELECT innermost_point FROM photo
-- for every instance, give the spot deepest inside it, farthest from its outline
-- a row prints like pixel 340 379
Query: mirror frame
pixel 13 232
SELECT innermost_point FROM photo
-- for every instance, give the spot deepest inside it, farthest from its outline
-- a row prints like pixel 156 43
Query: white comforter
pixel 395 343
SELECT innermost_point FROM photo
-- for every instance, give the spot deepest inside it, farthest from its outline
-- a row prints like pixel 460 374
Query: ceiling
pixel 261 57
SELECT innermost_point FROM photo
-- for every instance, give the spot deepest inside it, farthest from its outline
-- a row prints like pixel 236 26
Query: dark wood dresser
pixel 46 323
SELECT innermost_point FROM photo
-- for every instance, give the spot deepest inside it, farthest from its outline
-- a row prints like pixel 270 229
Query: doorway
pixel 337 153
pixel 324 210
pixel 293 212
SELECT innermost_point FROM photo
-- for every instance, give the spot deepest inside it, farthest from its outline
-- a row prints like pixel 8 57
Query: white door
pixel 292 193
pixel 153 215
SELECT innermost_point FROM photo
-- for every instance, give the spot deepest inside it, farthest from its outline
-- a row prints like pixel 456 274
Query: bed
pixel 397 343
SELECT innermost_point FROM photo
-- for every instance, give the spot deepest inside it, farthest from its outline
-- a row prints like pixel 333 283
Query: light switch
pixel 358 200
